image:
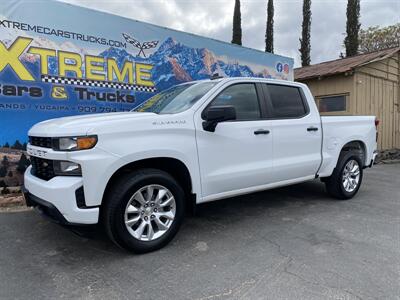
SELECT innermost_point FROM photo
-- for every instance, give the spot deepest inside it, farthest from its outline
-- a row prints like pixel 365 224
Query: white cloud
pixel 213 18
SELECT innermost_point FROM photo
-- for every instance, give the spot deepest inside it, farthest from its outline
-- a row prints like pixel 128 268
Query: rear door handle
pixel 312 128
pixel 261 131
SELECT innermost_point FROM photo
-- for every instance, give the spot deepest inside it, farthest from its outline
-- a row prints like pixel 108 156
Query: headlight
pixel 75 143
pixel 66 168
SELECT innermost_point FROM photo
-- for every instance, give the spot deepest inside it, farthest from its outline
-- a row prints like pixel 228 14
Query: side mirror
pixel 217 114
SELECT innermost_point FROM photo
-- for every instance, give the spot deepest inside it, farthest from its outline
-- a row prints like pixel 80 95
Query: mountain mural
pixel 175 63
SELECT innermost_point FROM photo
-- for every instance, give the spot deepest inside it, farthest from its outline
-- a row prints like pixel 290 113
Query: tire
pixel 336 183
pixel 151 226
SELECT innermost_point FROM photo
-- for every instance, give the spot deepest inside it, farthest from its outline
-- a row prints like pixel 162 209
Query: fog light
pixel 67 168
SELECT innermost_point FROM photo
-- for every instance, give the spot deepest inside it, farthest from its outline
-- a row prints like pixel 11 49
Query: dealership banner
pixel 58 60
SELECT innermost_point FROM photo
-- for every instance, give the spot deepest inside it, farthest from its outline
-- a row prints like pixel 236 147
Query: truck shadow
pixel 265 208
pixel 303 194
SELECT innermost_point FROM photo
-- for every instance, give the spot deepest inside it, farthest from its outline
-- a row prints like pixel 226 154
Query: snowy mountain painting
pixel 175 63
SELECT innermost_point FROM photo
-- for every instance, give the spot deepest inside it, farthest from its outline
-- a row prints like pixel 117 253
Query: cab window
pixel 243 97
pixel 285 101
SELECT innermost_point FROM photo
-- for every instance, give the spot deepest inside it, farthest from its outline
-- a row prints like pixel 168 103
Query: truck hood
pixel 82 125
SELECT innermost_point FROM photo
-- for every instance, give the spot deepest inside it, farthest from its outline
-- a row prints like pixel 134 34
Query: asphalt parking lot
pixel 289 243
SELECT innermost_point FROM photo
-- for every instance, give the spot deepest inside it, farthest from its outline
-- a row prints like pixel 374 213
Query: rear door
pixel 296 130
pixel 238 155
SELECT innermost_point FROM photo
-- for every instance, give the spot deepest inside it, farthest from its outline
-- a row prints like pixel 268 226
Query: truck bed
pixel 337 130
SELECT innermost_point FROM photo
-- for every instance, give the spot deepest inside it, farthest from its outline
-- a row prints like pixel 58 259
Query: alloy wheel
pixel 351 176
pixel 150 212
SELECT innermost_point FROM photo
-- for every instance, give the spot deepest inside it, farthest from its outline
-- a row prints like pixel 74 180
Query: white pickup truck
pixel 136 172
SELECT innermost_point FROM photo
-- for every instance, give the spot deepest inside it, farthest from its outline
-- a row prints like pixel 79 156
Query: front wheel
pixel 346 178
pixel 144 210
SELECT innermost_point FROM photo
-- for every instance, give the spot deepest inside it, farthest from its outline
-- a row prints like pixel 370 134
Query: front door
pixel 238 156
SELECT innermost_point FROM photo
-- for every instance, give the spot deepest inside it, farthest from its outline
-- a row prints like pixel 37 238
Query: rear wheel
pixel 144 210
pixel 346 178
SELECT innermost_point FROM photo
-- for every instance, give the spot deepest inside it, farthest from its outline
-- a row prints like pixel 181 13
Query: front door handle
pixel 312 128
pixel 261 131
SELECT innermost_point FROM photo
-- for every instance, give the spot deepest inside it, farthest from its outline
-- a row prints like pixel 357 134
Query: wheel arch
pixel 173 166
pixel 332 156
pixel 355 145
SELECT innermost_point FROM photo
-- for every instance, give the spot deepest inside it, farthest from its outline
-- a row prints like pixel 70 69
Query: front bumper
pixel 57 199
pixel 44 207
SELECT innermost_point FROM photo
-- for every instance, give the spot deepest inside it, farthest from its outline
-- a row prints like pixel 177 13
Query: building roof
pixel 341 65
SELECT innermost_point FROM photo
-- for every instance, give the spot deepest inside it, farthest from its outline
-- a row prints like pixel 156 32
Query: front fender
pixel 99 186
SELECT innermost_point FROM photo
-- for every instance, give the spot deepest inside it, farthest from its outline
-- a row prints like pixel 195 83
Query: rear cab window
pixel 285 101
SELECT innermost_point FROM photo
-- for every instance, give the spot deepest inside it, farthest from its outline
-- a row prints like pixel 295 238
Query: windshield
pixel 176 99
